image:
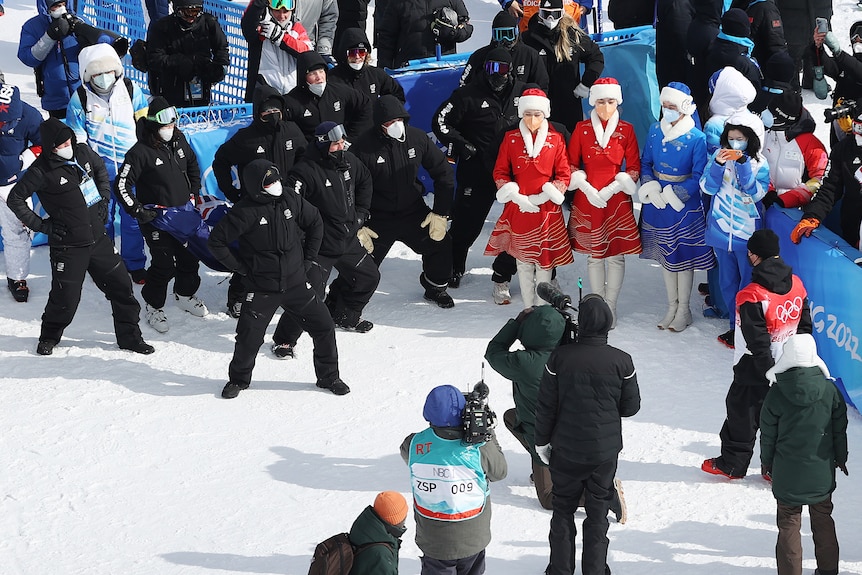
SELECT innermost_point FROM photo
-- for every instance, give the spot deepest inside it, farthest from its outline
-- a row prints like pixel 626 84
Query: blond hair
pixel 569 36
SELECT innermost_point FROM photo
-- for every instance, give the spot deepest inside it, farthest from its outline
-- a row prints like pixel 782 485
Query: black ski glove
pixel 59 29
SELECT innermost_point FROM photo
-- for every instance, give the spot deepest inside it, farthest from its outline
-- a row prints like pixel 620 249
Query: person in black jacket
pixel 412 29
pixel 586 389
pixel 845 68
pixel 767 29
pixel 564 47
pixel 339 186
pixel 799 19
pixel 631 13
pixel 314 100
pixel 839 183
pixel 352 15
pixel 186 53
pixel 163 171
pixel 393 151
pixel 469 123
pixel 733 47
pixel 353 54
pixel 72 184
pixel 269 137
pixel 527 66
pixel 702 31
pixel 279 235
pixel 673 18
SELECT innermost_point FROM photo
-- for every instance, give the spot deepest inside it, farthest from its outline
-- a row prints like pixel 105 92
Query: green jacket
pixel 803 435
pixel 539 333
pixel 381 559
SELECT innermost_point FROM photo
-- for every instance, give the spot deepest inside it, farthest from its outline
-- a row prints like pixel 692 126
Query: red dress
pixel 612 230
pixel 538 238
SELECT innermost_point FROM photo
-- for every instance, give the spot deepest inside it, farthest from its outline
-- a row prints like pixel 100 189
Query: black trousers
pixel 596 483
pixel 303 305
pixel 168 260
pixel 739 431
pixel 69 267
pixel 472 565
pixel 351 291
pixel 404 227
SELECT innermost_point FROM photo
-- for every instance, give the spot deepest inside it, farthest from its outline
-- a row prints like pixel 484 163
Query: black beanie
pixel 504 20
pixel 735 22
pixel 54 132
pixel 157 104
pixel 786 107
pixel 779 67
pixel 763 243
pixel 498 54
pixel 551 5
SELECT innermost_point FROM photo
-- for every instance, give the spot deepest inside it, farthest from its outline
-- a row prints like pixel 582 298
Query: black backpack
pixel 334 556
pixel 138 52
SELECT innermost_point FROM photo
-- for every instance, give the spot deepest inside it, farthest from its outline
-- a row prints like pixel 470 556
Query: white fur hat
pixel 679 95
pixel 800 350
pixel 98 59
pixel 534 99
pixel 606 88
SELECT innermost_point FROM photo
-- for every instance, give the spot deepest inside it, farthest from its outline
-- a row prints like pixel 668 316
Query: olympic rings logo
pixel 789 311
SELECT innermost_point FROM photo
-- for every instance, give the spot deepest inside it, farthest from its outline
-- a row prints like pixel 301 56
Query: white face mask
pixel 356 65
pixel 669 115
pixel 274 189
pixel 858 139
pixel 67 152
pixel 57 12
pixel 857 47
pixel 166 134
pixel 103 82
pixel 395 130
pixel 317 89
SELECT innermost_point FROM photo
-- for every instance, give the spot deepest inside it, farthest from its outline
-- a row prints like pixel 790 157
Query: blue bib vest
pixel 448 481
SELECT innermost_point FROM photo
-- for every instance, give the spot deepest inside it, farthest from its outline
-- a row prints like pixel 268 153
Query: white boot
pixel 683 312
pixel 156 318
pixel 596 275
pixel 191 304
pixel 670 285
pixel 527 279
pixel 542 275
pixel 501 293
pixel 615 275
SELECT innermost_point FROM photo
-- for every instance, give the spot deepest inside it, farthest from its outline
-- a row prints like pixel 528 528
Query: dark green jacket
pixel 373 559
pixel 539 333
pixel 803 435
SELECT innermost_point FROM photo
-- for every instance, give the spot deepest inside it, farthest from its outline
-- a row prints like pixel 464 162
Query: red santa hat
pixel 534 99
pixel 606 88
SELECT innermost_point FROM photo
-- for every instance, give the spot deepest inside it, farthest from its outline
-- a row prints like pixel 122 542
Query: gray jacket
pixel 446 540
pixel 318 17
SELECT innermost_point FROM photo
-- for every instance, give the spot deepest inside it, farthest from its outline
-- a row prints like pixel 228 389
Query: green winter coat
pixel 539 333
pixel 803 435
pixel 373 559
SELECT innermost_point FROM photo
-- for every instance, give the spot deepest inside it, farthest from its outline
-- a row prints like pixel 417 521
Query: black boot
pixel 436 293
pixel 19 289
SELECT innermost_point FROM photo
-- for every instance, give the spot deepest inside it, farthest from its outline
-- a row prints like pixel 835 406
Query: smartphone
pixel 733 154
pixel 822 25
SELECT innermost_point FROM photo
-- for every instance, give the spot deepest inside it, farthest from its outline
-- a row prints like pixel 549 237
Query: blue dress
pixel 675 239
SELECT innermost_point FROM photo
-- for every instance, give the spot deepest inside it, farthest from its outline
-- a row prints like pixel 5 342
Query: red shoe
pixel 709 466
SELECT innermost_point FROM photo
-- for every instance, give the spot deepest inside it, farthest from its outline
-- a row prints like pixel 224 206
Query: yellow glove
pixel 365 236
pixel 436 226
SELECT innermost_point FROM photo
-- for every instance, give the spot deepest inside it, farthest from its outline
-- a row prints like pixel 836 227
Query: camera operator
pixel 844 68
pixel 585 391
pixel 50 43
pixel 449 478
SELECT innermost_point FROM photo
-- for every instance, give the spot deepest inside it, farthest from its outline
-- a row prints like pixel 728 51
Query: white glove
pixel 524 204
pixel 609 190
pixel 645 191
pixel 436 226
pixel 594 198
pixel 272 31
pixel 582 91
pixel 365 236
pixel 579 182
pixel 538 199
pixel 669 196
pixel 554 194
pixel 544 453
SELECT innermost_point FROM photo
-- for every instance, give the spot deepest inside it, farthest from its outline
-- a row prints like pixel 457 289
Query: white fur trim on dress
pixel 507 191
pixel 534 147
pixel 629 186
pixel 579 178
pixel 673 131
pixel 603 135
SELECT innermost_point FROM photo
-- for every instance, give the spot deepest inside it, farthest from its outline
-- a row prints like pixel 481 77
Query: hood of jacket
pixel 542 329
pixel 98 59
pixel 305 62
pixel 733 92
pixel 369 528
pixel 707 11
pixel 388 107
pixel 350 38
pixel 252 180
pixel 806 124
pixel 54 132
pixel 774 274
pixel 749 120
pixel 594 317
pixel 262 93
pixel 799 385
pixel 13 109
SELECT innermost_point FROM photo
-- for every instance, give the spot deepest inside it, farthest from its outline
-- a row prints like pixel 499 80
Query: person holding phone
pixel 737 178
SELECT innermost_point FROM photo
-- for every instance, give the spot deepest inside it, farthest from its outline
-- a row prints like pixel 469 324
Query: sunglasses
pixel 357 53
pixel 164 117
pixel 501 68
pixel 334 135
pixel 504 34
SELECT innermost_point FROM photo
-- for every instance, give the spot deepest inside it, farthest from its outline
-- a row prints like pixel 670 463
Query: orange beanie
pixel 391 507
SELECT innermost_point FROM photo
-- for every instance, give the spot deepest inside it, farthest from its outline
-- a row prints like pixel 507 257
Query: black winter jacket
pixel 57 183
pixel 283 144
pixel 726 53
pixel 767 29
pixel 527 65
pixel 405 33
pixel 176 55
pixel 673 20
pixel 586 388
pixel 565 75
pixel 341 193
pixel 157 172
pixel 845 69
pixel 370 80
pixel 839 181
pixel 276 237
pixel 702 31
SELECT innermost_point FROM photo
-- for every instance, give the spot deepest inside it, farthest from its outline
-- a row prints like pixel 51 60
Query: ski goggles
pixel 504 34
pixel 857 128
pixel 190 12
pixel 282 4
pixel 502 68
pixel 164 117
pixel 336 134
pixel 855 38
pixel 357 53
pixel 550 13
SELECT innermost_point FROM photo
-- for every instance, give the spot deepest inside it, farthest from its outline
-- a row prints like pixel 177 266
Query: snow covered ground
pixel 115 463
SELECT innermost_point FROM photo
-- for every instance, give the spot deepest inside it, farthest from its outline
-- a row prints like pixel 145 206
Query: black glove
pixel 184 65
pixel 213 73
pixel 103 211
pixel 770 198
pixel 59 29
pixel 742 159
pixel 842 467
pixel 468 150
pixel 145 216
pixel 55 231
